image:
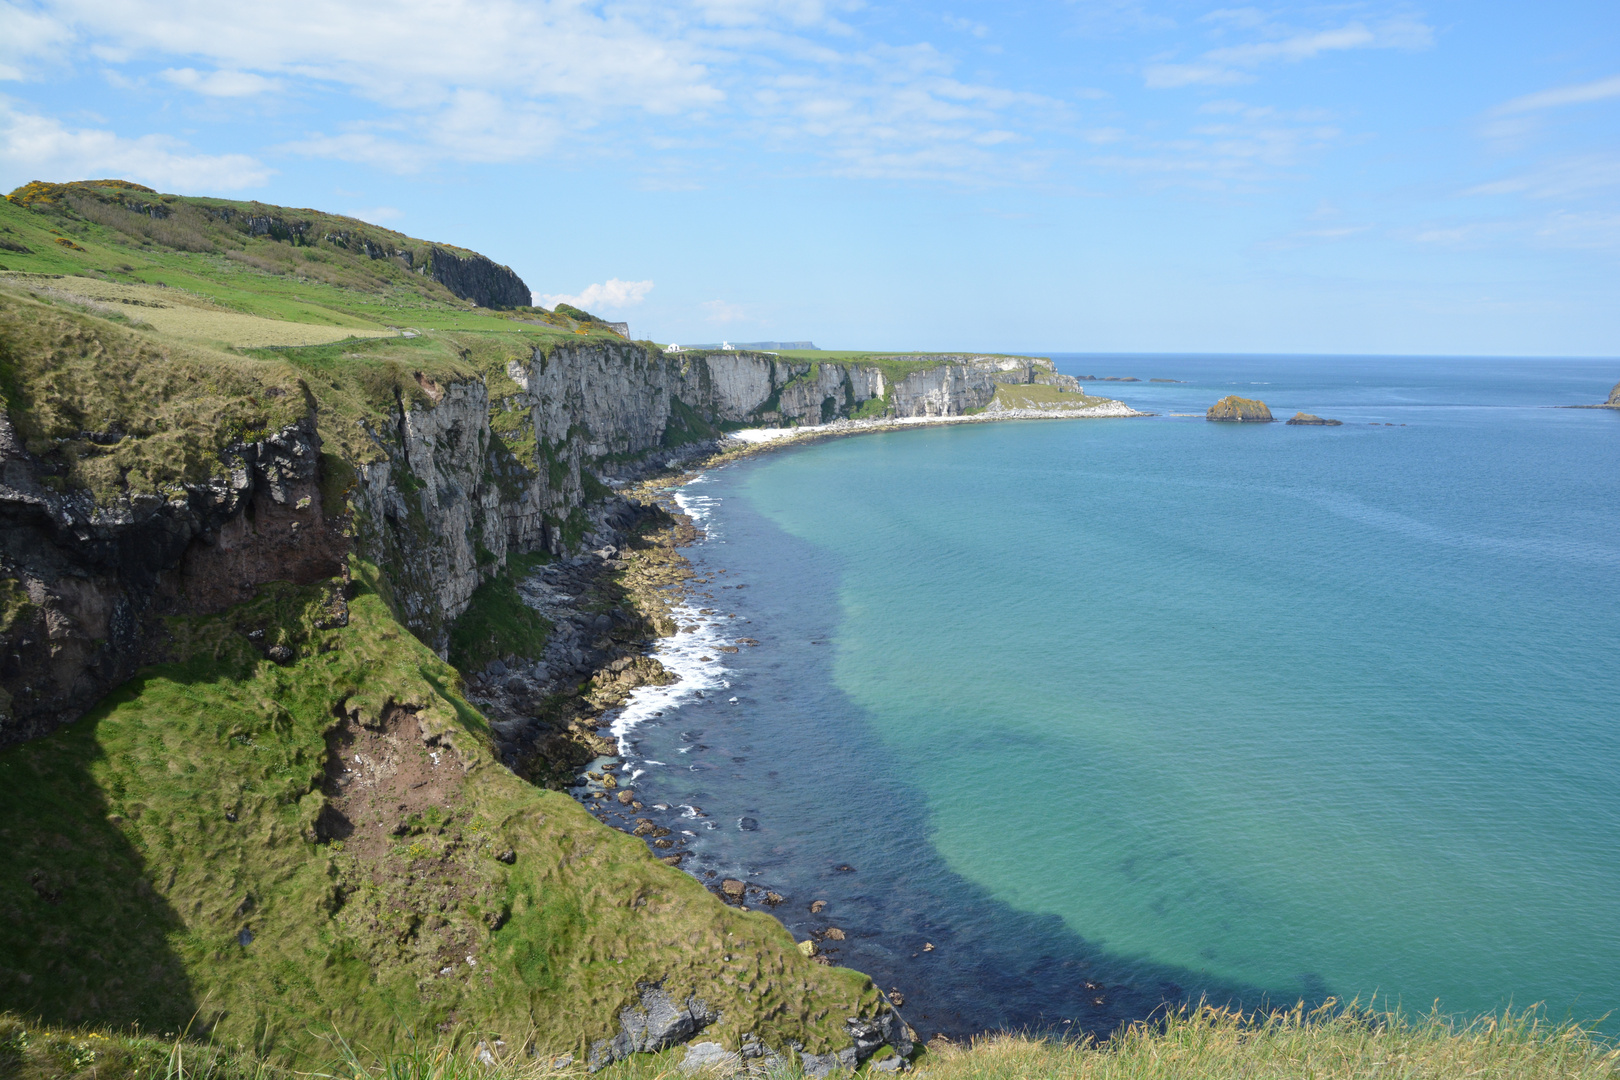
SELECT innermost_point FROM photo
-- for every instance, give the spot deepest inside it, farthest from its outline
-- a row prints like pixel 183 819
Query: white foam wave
pixel 692 656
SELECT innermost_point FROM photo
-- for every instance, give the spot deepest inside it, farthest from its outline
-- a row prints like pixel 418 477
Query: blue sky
pixel 1094 175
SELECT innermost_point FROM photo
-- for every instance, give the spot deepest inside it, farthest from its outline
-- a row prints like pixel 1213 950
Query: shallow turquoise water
pixel 1296 711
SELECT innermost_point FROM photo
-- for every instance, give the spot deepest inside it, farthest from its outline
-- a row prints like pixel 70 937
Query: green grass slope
pixel 171 865
pixel 205 849
pixel 311 267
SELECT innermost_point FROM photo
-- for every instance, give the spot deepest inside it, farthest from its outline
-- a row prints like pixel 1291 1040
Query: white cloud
pixel 1248 147
pixel 221 83
pixel 1580 94
pixel 28 37
pixel 1595 230
pixel 34 147
pixel 1103 18
pixel 1233 64
pixel 721 312
pixel 376 215
pixel 1343 232
pixel 610 295
pixel 1175 76
pixel 966 26
pixel 1568 179
pixel 508 80
pixel 417 52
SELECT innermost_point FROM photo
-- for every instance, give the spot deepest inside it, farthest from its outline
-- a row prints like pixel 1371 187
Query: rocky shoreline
pixel 609 608
pixel 610 604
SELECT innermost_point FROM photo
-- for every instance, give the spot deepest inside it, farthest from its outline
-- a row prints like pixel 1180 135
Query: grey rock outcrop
pixel 473 277
pixel 1305 419
pixel 820 1066
pixel 872 1033
pixel 425 510
pixel 710 1057
pixel 659 1021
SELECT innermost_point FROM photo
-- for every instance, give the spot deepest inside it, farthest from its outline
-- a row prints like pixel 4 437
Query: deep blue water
pixel 1118 711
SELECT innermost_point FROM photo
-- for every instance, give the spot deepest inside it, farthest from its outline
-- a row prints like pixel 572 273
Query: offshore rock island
pixel 319 569
pixel 1234 409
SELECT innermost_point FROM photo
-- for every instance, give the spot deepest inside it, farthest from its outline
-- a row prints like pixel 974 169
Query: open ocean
pixel 1111 712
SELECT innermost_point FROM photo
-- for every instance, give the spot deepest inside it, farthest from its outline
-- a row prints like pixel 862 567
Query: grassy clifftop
pixel 295 823
pixel 277 263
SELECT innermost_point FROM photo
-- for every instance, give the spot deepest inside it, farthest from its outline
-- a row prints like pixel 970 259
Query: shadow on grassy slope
pixel 84 935
pixel 179 827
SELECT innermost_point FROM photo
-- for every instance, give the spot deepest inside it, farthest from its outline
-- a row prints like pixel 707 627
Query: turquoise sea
pixel 1112 712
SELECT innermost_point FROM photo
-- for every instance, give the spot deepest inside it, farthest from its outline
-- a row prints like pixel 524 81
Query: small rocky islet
pixel 1239 410
pixel 1233 409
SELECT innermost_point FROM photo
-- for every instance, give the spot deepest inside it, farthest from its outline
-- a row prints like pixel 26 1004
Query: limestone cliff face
pixel 427 513
pixel 447 497
pixel 452 499
pixel 750 387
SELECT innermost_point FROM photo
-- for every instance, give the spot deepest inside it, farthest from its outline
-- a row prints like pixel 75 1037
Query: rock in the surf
pixel 1234 409
pixel 1305 419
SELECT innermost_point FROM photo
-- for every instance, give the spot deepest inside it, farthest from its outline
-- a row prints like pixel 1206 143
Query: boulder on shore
pixel 1306 419
pixel 1234 409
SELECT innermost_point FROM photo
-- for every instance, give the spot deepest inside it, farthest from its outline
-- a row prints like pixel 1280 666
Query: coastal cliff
pixel 506 462
pixel 448 475
pixel 236 554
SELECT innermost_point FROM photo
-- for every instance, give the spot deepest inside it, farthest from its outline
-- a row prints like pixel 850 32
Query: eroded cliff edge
pixel 446 474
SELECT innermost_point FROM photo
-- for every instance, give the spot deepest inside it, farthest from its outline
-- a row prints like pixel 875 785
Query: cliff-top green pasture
pixel 320 275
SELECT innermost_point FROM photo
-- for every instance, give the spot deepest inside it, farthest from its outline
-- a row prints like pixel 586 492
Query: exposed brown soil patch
pixel 378 778
pixel 395 820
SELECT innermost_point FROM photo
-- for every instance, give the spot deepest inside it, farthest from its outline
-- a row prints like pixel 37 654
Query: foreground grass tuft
pixel 1327 1044
pixel 1331 1043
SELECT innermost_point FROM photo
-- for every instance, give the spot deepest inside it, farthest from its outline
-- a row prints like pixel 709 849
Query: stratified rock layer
pixel 1234 409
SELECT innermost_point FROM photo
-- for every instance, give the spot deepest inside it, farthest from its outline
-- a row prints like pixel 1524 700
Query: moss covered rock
pixel 1238 409
pixel 1305 419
